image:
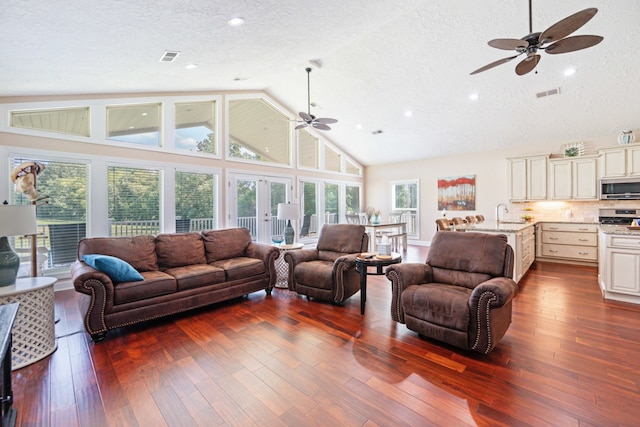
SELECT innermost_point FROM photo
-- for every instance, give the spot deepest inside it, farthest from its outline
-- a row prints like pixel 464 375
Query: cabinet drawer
pixel 563 238
pixel 586 253
pixel 556 226
pixel 624 242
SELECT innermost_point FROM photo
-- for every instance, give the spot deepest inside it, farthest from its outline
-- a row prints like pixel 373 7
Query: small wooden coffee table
pixel 365 260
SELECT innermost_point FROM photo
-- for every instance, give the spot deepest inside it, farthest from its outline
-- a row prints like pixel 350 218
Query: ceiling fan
pixel 556 35
pixel 309 119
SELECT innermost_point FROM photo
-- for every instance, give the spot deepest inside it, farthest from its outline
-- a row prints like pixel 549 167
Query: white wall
pixel 490 169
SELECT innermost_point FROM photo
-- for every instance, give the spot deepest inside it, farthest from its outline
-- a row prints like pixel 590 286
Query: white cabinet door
pixel 613 163
pixel 623 271
pixel 560 179
pixel 585 179
pixel 633 161
pixel 537 178
pixel 518 179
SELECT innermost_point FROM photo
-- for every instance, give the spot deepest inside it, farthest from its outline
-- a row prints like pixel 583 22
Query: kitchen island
pixel 619 263
pixel 520 236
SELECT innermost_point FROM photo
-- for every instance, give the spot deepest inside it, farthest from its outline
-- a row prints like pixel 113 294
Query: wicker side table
pixel 34 336
pixel 282 268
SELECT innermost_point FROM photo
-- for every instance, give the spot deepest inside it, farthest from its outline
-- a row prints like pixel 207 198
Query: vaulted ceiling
pixel 399 66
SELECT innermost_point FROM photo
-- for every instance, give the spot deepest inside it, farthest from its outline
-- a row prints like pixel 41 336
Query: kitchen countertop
pixel 505 227
pixel 619 229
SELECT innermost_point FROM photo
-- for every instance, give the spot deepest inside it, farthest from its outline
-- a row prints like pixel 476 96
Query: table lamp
pixel 288 212
pixel 15 220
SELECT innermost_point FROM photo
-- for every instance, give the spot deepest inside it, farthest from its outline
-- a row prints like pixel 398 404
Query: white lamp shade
pixel 18 220
pixel 288 211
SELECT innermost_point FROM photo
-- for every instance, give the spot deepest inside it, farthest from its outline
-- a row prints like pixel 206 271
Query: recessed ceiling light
pixel 570 71
pixel 473 96
pixel 236 21
pixel 408 113
pixel 358 126
pixel 191 66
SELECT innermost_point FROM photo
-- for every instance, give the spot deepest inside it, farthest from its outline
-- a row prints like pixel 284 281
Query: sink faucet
pixel 506 210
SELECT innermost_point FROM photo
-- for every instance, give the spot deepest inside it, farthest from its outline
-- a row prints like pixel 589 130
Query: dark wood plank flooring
pixel 568 359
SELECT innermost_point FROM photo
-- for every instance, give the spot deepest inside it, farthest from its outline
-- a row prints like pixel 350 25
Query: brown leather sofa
pixel 328 271
pixel 180 271
pixel 462 295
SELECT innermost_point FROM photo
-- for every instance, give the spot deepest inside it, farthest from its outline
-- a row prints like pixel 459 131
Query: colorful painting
pixel 457 193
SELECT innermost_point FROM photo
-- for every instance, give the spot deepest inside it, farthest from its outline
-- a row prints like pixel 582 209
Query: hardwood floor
pixel 568 359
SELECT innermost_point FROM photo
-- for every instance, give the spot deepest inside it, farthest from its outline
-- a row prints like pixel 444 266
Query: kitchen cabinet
pixel 573 179
pixel 528 178
pixel 620 162
pixel 619 267
pixel 567 242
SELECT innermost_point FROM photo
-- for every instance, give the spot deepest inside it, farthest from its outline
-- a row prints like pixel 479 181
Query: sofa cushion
pixel 438 303
pixel 316 273
pixel 225 244
pixel 197 275
pixel 139 251
pixel 155 283
pixel 240 267
pixel 117 269
pixel 179 249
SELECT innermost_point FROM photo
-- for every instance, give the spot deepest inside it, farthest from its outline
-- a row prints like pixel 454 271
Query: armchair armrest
pixel 296 257
pixel 401 277
pixel 490 309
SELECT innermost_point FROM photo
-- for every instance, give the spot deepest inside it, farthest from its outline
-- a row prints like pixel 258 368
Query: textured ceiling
pixel 378 59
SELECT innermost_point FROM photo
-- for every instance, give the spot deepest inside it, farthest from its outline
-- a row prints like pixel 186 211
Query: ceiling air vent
pixel 377 132
pixel 548 93
pixel 169 56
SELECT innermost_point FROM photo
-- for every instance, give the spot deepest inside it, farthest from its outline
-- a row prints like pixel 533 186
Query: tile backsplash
pixel 586 211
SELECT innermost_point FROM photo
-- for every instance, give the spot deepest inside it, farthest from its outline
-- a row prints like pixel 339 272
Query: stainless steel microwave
pixel 620 188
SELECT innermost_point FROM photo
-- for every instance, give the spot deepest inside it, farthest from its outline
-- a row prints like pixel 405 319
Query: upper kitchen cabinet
pixel 620 161
pixel 573 178
pixel 528 178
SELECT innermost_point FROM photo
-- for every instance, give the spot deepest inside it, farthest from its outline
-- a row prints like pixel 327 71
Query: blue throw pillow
pixel 117 269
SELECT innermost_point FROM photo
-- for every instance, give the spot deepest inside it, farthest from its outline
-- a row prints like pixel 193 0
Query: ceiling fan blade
pixel 326 120
pixel 493 64
pixel 303 125
pixel 509 44
pixel 568 25
pixel 527 64
pixel 573 43
pixel 321 126
pixel 304 116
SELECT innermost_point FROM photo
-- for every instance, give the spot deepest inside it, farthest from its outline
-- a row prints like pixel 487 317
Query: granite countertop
pixel 619 229
pixel 505 227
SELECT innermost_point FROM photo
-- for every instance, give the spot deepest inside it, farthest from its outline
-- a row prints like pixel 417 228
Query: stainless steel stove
pixel 617 216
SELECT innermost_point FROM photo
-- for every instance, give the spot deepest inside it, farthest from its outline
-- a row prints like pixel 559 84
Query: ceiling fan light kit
pixel 309 119
pixel 555 38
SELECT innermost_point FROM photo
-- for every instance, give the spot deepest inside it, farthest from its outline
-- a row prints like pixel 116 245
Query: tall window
pixel 134 201
pixel 331 203
pixel 405 201
pixel 195 201
pixel 195 127
pixel 353 198
pixel 61 214
pixel 309 201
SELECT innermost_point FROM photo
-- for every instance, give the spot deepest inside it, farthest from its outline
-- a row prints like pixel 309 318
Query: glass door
pixel 253 204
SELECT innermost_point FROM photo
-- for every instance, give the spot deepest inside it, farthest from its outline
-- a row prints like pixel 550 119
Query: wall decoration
pixel 457 193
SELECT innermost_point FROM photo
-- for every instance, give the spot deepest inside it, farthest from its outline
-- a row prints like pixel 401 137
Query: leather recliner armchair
pixel 462 295
pixel 328 272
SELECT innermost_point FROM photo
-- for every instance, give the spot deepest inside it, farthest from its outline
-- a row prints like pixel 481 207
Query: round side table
pixel 34 334
pixel 282 268
pixel 372 260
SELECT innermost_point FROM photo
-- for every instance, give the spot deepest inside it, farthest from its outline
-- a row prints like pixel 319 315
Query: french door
pixel 253 203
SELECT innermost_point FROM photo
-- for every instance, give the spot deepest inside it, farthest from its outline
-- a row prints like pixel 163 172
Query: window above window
pixel 71 121
pixel 195 127
pixel 137 124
